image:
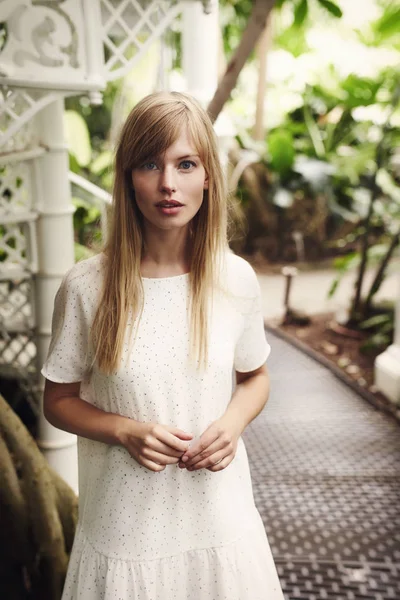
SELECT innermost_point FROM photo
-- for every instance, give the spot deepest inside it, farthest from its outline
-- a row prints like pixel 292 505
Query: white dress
pixel 174 534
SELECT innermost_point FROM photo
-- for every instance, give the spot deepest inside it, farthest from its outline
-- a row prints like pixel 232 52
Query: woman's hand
pixel 215 449
pixel 152 445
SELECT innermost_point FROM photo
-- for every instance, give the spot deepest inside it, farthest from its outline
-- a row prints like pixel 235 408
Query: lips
pixel 169 203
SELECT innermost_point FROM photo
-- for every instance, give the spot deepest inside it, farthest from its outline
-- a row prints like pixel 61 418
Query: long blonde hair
pixel 151 127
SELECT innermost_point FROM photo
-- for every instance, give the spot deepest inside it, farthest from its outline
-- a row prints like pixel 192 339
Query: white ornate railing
pixel 94 195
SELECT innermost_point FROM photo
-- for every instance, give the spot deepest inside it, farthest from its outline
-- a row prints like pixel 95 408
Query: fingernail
pixel 185 458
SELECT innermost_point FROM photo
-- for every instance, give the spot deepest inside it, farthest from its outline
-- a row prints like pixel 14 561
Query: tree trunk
pixel 263 48
pixel 380 273
pixel 254 29
pixel 39 510
pixel 355 309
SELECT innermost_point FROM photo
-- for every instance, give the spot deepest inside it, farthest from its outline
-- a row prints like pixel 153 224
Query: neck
pixel 166 249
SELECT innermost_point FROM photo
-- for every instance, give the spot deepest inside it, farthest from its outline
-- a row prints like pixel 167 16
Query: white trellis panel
pixel 18 180
pixel 45 44
pixel 18 261
pixel 17 108
pixel 130 27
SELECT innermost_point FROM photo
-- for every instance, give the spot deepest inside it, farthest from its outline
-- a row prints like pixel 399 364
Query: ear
pixel 205 186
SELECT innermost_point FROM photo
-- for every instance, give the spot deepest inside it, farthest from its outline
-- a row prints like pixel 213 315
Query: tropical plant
pixel 254 16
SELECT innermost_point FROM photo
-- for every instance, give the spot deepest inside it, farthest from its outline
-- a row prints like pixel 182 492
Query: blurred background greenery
pixel 319 179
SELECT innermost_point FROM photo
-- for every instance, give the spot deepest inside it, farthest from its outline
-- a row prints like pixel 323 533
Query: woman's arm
pixel 64 409
pixel 152 445
pixel 249 398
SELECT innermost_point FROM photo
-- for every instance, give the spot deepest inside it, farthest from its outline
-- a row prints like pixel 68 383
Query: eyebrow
pixel 188 156
pixel 157 157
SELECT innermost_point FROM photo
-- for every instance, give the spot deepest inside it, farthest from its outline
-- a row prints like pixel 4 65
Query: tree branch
pixel 251 34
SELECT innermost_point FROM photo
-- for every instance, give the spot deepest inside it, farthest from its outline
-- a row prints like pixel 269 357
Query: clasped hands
pixel 214 450
pixel 155 446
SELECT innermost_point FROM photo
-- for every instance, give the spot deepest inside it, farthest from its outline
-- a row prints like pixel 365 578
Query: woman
pixel 166 509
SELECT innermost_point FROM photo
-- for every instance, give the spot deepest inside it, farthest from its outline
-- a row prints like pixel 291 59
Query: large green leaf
pixel 300 12
pixel 375 320
pixel 314 133
pixel 292 39
pixel 102 162
pixel 360 91
pixel 388 24
pixel 78 137
pixel 281 150
pixel 331 7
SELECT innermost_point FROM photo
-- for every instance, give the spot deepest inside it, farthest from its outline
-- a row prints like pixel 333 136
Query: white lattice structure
pixel 50 49
pixel 129 28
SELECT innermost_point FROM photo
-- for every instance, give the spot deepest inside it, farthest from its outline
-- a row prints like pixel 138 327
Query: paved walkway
pixel 326 477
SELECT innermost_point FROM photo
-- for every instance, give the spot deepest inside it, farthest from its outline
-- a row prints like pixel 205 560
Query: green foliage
pixel 281 151
pixel 86 223
pixel 380 327
pixel 234 17
pixel 360 91
pixel 388 25
pixel 349 262
pixel 300 12
pixel 332 8
pixel 82 252
pixel 78 138
pixel 293 39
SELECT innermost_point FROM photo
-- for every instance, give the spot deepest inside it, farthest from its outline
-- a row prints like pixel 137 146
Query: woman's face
pixel 178 175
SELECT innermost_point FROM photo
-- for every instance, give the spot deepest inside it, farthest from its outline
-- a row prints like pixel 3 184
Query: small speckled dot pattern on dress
pixel 174 534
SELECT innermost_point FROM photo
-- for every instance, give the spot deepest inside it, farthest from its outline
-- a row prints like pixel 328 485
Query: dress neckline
pixel 165 278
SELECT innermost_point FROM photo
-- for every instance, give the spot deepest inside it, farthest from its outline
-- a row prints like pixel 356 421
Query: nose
pixel 167 181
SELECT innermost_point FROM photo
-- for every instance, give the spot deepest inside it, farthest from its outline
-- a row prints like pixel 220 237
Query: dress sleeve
pixel 67 357
pixel 252 348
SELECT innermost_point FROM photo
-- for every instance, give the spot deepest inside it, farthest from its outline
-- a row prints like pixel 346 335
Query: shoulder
pixel 90 267
pixel 82 283
pixel 85 273
pixel 242 277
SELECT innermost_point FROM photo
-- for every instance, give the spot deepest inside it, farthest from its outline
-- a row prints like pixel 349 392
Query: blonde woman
pixel 146 338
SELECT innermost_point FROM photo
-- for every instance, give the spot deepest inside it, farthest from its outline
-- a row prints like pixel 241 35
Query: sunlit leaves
pixel 360 91
pixel 300 12
pixel 78 137
pixel 388 24
pixel 332 8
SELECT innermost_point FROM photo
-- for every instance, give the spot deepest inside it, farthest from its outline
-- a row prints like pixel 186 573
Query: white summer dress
pixel 174 534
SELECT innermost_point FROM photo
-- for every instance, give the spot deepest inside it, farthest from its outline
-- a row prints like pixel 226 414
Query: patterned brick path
pixel 326 478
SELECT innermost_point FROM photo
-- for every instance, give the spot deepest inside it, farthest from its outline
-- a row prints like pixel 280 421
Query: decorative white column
pixel 387 364
pixel 55 256
pixel 200 48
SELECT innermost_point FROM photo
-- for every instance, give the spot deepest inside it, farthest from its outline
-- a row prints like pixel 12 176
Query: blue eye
pixel 187 164
pixel 149 166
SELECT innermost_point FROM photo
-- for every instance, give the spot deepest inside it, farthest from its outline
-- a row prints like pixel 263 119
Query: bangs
pixel 157 137
pixel 156 130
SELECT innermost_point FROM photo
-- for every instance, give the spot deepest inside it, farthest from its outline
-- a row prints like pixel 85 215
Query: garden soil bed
pixel 339 353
